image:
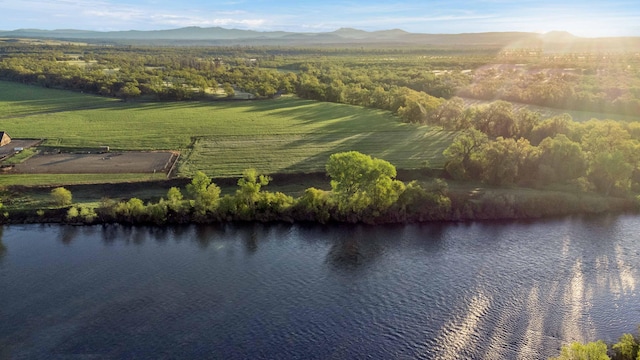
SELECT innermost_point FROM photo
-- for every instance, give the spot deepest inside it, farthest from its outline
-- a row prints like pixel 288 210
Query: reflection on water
pixel 462 330
pixel 576 301
pixel 493 290
pixel 251 242
pixel 352 249
pixel 67 234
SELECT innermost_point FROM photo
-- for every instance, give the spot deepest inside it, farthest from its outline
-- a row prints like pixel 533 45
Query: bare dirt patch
pixel 108 163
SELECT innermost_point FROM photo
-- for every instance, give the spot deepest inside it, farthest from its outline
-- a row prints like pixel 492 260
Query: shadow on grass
pixel 316 124
pixel 33 99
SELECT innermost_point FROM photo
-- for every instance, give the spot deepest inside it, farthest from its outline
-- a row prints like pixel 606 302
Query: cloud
pixel 109 15
pixel 182 21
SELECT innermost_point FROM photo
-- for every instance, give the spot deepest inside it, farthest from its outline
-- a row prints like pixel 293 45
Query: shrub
pixel 589 351
pixel 61 196
pixel 72 213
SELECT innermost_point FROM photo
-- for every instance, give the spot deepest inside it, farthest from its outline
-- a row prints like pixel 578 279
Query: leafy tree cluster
pixel 410 87
pixel 412 94
pixel 625 349
pixel 363 189
pixel 589 351
pixel 129 75
pixel 411 91
pixel 501 146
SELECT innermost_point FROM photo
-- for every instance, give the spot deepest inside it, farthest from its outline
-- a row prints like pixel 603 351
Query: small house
pixel 4 138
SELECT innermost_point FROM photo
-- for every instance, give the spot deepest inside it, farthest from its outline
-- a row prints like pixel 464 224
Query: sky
pixel 587 18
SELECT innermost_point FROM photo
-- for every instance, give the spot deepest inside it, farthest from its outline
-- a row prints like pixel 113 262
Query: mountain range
pixel 345 36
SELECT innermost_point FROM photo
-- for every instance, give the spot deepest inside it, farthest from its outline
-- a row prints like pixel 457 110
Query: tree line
pixel 409 82
pixel 410 89
pixel 503 146
pixel 362 189
pixel 167 80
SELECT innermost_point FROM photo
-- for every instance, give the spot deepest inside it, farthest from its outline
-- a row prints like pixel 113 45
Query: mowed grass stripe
pixel 309 152
pixel 72 179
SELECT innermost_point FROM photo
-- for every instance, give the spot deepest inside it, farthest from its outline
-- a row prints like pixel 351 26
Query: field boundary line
pixel 173 165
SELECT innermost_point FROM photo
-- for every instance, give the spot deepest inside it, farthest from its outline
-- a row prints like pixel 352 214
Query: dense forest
pixel 410 82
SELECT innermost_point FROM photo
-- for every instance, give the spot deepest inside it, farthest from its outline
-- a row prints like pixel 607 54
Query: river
pixel 478 290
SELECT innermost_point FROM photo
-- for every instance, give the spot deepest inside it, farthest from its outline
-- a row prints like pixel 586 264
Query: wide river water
pixel 481 290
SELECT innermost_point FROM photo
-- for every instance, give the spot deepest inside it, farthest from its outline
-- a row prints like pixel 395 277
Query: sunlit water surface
pixel 508 290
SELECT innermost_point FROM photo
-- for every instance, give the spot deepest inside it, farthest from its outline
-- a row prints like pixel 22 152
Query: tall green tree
pixel 449 114
pixel 626 348
pixel 204 193
pixel 175 199
pixel 500 160
pixel 463 151
pixel 561 124
pixel 610 171
pixel 361 182
pixel 561 159
pixel 129 91
pixel 248 194
pixel 496 119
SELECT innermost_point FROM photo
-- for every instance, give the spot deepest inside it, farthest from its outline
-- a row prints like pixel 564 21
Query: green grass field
pixel 18 100
pixel 227 155
pixel 283 135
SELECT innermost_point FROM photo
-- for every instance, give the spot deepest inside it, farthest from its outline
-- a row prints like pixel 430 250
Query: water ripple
pixel 495 290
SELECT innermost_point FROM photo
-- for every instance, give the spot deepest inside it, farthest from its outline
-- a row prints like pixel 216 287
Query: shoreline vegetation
pixel 361 189
pixel 625 349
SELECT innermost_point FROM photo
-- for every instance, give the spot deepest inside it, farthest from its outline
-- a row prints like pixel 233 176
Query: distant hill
pixel 552 41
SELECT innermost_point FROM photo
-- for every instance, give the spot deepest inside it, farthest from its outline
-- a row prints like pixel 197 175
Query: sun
pixel 583 22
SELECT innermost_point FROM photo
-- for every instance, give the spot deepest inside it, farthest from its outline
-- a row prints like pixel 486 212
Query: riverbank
pixel 442 201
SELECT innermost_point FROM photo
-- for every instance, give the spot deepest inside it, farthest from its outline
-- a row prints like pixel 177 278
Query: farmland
pixel 221 138
pixel 18 100
pixel 309 105
pixel 289 153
